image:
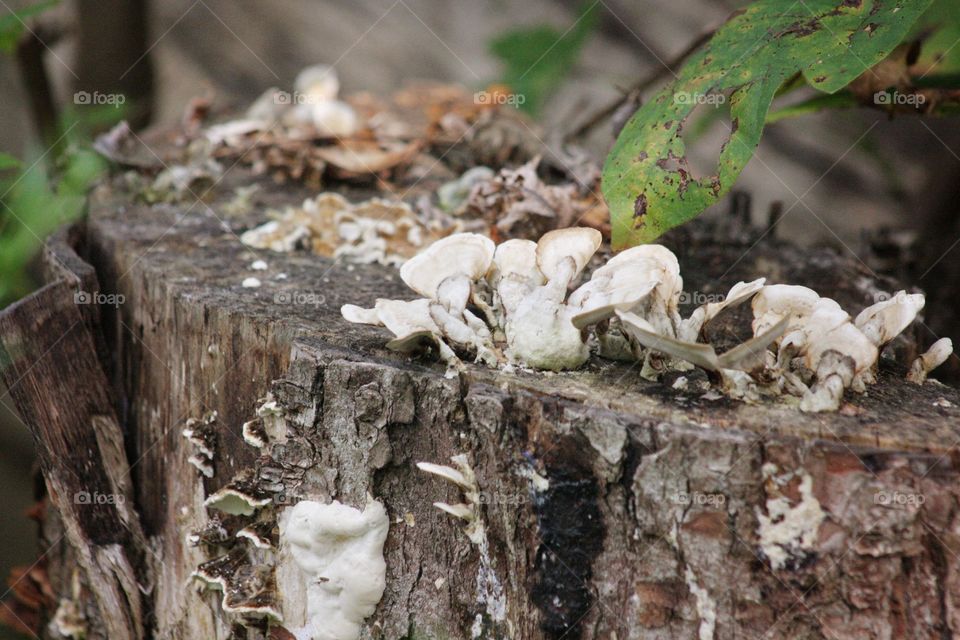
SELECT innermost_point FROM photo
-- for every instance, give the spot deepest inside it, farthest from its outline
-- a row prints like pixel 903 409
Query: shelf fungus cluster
pixel 202 434
pixel 375 230
pixel 517 304
pixel 283 564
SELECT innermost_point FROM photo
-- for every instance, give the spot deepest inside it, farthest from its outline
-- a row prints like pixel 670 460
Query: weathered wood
pixel 50 366
pixel 613 506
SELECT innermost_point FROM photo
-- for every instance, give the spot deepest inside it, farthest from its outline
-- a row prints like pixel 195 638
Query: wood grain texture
pixel 51 369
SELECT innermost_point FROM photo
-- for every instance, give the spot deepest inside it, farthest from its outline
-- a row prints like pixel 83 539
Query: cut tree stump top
pixel 197 255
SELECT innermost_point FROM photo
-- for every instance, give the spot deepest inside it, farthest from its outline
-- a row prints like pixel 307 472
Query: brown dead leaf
pixel 362 158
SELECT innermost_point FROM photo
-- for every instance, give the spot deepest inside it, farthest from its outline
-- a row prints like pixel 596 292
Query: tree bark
pixel 613 507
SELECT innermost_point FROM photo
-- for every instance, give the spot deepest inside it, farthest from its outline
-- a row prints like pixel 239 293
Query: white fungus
pixel 512 305
pixel 788 531
pixel 339 552
pixel 935 356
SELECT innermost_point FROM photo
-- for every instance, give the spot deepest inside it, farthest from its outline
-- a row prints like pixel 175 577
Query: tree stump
pixel 613 507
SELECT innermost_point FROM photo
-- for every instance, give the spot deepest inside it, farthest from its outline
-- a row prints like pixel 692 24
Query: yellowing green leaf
pixel 647 181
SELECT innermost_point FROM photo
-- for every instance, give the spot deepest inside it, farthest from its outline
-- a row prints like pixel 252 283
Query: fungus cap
pixel 885 320
pixel 468 254
pixel 579 243
pixel 317 83
pixel 517 258
pixel 777 301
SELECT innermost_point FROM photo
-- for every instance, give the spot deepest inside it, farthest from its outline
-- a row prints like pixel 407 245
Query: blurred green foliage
pixel 940 54
pixel 37 197
pixel 48 188
pixel 12 24
pixel 538 59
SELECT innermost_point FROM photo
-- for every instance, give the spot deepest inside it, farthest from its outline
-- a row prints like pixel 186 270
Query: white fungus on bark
pixel 935 356
pixel 461 474
pixel 338 550
pixel 706 606
pixel 787 531
pixel 517 304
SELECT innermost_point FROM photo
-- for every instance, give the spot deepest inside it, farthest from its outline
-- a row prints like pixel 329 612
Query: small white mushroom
pixel 829 328
pixel 255 434
pixel 462 511
pixel 202 463
pixel 260 534
pixel 410 321
pixel 515 273
pixel 463 477
pixel 447 473
pixel 650 263
pixel 835 373
pixel 623 283
pixel 775 302
pixel 359 315
pixel 541 333
pixel 885 320
pixel 335 119
pixel 935 356
pixel 317 83
pixel 555 247
pixel 445 272
pixel 460 255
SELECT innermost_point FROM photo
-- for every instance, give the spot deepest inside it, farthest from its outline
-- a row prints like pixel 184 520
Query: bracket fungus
pixel 202 434
pixel 249 590
pixel 512 305
pixel 242 496
pixel 461 474
pixel 375 230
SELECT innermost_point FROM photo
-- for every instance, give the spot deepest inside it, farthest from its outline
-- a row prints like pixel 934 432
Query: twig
pixel 669 68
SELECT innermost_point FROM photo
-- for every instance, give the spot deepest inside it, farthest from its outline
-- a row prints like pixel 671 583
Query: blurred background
pixel 849 178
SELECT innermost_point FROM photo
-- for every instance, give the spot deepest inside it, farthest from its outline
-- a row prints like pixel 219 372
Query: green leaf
pixel 646 179
pixel 538 59
pixel 7 161
pixel 940 52
pixel 12 23
pixel 820 102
